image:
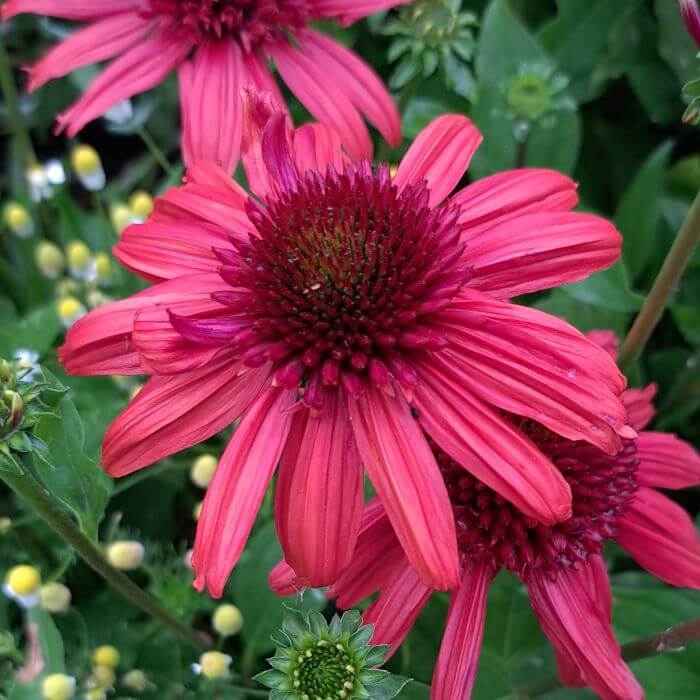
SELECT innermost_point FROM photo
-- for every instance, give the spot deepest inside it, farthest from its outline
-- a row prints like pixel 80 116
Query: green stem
pixel 26 486
pixel 671 639
pixel 9 91
pixel 156 151
pixel 668 278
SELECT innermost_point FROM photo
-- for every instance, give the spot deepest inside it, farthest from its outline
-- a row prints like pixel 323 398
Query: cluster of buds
pixel 135 211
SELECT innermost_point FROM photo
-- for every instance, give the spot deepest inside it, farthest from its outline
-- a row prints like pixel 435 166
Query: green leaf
pixel 67 472
pixel 639 211
pixel 608 289
pixel 389 687
pixel 35 331
pixel 415 691
pixel 675 44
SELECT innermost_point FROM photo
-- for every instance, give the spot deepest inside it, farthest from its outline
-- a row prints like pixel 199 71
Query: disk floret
pixel 321 661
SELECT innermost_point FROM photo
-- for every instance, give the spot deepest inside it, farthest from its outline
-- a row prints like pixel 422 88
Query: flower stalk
pixel 671 272
pixel 28 488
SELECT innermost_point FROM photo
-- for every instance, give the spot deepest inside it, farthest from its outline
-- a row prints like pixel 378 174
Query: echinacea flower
pixel 614 497
pixel 326 308
pixel 218 48
pixel 691 17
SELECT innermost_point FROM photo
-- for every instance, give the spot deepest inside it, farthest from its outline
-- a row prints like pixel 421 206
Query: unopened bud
pixel 135 680
pixel 55 597
pixel 88 167
pixel 79 258
pixel 103 267
pixel 126 555
pixel 18 220
pixel 23 580
pixel 58 686
pixel 15 406
pixel 104 677
pixel 107 656
pixel 227 620
pixel 70 310
pixel 141 204
pixel 213 665
pixel 121 216
pixel 49 259
pixel 203 469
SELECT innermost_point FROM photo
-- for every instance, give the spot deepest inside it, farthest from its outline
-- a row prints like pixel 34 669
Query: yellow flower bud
pixel 104 676
pixel 106 656
pixel 103 267
pixel 79 256
pixel 214 664
pixel 121 216
pixel 70 310
pixel 58 686
pixel 18 220
pixel 23 579
pixel 203 470
pixel 55 597
pixel 49 259
pixel 126 555
pixel 85 159
pixel 135 680
pixel 141 204
pixel 197 511
pixel 227 620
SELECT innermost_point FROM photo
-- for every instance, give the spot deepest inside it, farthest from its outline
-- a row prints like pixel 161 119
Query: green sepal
pixel 271 678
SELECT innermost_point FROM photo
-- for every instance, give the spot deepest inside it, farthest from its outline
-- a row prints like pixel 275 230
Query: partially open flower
pixel 22 585
pixel 88 167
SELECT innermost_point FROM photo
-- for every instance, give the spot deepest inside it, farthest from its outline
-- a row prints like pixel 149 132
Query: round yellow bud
pixel 78 255
pixel 126 555
pixel 23 579
pixel 227 620
pixel 141 204
pixel 17 219
pixel 214 664
pixel 197 511
pixel 106 656
pixel 202 471
pixel 121 216
pixel 55 597
pixel 85 160
pixel 70 310
pixel 135 680
pixel 103 267
pixel 104 676
pixel 58 686
pixel 49 259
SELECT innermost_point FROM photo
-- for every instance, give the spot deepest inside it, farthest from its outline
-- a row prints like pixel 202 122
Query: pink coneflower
pixel 691 17
pixel 614 497
pixel 324 311
pixel 219 47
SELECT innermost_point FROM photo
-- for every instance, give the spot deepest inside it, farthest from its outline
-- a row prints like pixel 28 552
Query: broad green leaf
pixel 608 289
pixel 36 331
pixel 675 44
pixel 415 691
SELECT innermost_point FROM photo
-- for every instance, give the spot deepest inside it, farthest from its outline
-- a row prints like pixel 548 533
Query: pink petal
pixel 283 581
pixel 535 365
pixel 237 491
pixel 666 462
pixel 172 413
pixel 101 342
pixel 662 538
pixel 137 70
pixel 401 600
pixel 539 251
pixel 487 446
pixel 356 80
pixel 405 474
pixel 348 11
pixel 440 155
pixel 577 628
pixel 640 406
pixel 505 196
pixel 68 9
pixel 455 670
pixel 606 340
pixel 376 554
pixel 96 42
pixel 326 101
pixel 319 495
pixel 317 146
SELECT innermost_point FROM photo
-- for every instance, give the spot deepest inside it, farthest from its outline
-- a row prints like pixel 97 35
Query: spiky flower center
pixel 342 277
pixel 491 528
pixel 324 671
pixel 250 21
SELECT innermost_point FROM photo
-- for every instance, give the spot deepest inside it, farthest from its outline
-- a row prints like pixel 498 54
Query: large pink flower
pixel 614 497
pixel 219 47
pixel 326 310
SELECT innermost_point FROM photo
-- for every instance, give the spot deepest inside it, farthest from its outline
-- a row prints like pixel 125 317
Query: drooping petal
pixel 92 44
pixel 80 10
pixel 487 446
pixel 316 146
pixel 319 496
pixel 405 474
pixel 172 413
pixel 666 461
pixel 357 80
pixel 607 340
pixel 237 491
pixel 505 196
pixel 538 251
pixel 640 406
pixel 455 670
pixel 577 627
pixel 326 101
pixel 535 365
pixel 137 70
pixel 349 11
pixel 400 601
pixel 662 538
pixel 283 581
pixel 440 155
pixel 101 342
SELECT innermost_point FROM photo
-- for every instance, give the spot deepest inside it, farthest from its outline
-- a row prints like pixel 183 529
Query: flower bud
pixel 135 680
pixel 15 407
pixel 79 258
pixel 103 267
pixel 49 259
pixel 126 555
pixel 23 580
pixel 104 677
pixel 58 686
pixel 88 167
pixel 141 204
pixel 69 311
pixel 106 656
pixel 203 469
pixel 121 216
pixel 227 620
pixel 18 220
pixel 55 597
pixel 213 665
